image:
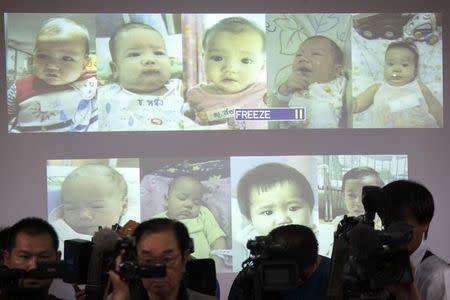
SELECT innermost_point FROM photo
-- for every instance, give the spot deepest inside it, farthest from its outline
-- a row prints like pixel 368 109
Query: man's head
pixel 184 197
pixel 401 63
pixel 352 184
pixel 164 241
pixel 300 244
pixel 319 59
pixel 274 194
pixel 31 240
pixel 411 203
pixel 61 52
pixel 139 58
pixel 93 196
pixel 233 54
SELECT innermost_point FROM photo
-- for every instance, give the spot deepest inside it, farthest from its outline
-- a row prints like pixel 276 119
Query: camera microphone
pixel 104 242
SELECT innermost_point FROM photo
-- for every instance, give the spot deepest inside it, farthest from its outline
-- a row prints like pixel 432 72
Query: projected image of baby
pixel 234 59
pixel 91 196
pixel 317 83
pixel 274 194
pixel 60 94
pixel 184 203
pixel 402 100
pixel 352 184
pixel 144 97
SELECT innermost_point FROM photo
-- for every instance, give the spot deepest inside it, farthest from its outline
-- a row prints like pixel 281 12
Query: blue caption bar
pixel 272 114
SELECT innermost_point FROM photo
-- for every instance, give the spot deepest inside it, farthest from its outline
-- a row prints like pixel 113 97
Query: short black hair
pixel 124 28
pixel 300 243
pixel 32 226
pixel 266 176
pixel 164 224
pixel 359 173
pixel 410 195
pixel 338 54
pixel 406 45
pixel 233 25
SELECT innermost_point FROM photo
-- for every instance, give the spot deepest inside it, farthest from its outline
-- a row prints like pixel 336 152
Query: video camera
pixel 269 269
pixel 129 267
pixel 73 269
pixel 364 260
pixel 85 262
pixel 108 246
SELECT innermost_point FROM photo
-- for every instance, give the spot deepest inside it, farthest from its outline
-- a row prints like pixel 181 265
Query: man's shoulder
pixel 433 278
pixel 434 264
pixel 325 262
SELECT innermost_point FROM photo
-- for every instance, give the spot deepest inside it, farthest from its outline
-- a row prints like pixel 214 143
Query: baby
pixel 271 195
pixel 352 184
pixel 274 194
pixel 144 97
pixel 401 100
pixel 60 94
pixel 234 58
pixel 315 83
pixel 91 196
pixel 184 198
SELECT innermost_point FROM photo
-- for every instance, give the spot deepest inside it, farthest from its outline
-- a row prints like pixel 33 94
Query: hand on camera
pixel 119 284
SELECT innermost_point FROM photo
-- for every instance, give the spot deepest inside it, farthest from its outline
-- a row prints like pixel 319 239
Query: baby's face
pixel 142 64
pixel 282 204
pixel 184 198
pixel 353 194
pixel 316 61
pixel 399 66
pixel 233 61
pixel 59 61
pixel 90 201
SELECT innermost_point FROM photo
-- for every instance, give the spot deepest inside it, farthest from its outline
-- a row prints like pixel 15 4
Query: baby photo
pixel 341 179
pixel 268 192
pixel 197 193
pixel 397 71
pixel 51 73
pixel 307 67
pixel 84 195
pixel 141 72
pixel 229 69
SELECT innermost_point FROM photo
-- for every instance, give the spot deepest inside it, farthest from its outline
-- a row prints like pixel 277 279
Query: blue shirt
pixel 315 288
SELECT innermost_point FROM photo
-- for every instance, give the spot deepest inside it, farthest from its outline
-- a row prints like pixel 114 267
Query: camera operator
pixel 159 241
pixel 413 204
pixel 300 244
pixel 31 240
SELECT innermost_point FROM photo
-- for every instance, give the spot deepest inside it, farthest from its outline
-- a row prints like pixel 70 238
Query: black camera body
pixel 73 269
pixel 365 260
pixel 268 270
pixel 129 267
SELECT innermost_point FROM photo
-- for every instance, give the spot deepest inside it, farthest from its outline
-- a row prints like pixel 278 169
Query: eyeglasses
pixel 169 261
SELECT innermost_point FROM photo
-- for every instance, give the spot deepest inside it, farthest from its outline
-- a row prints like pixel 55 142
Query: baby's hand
pixel 30 112
pixel 33 112
pixel 295 82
